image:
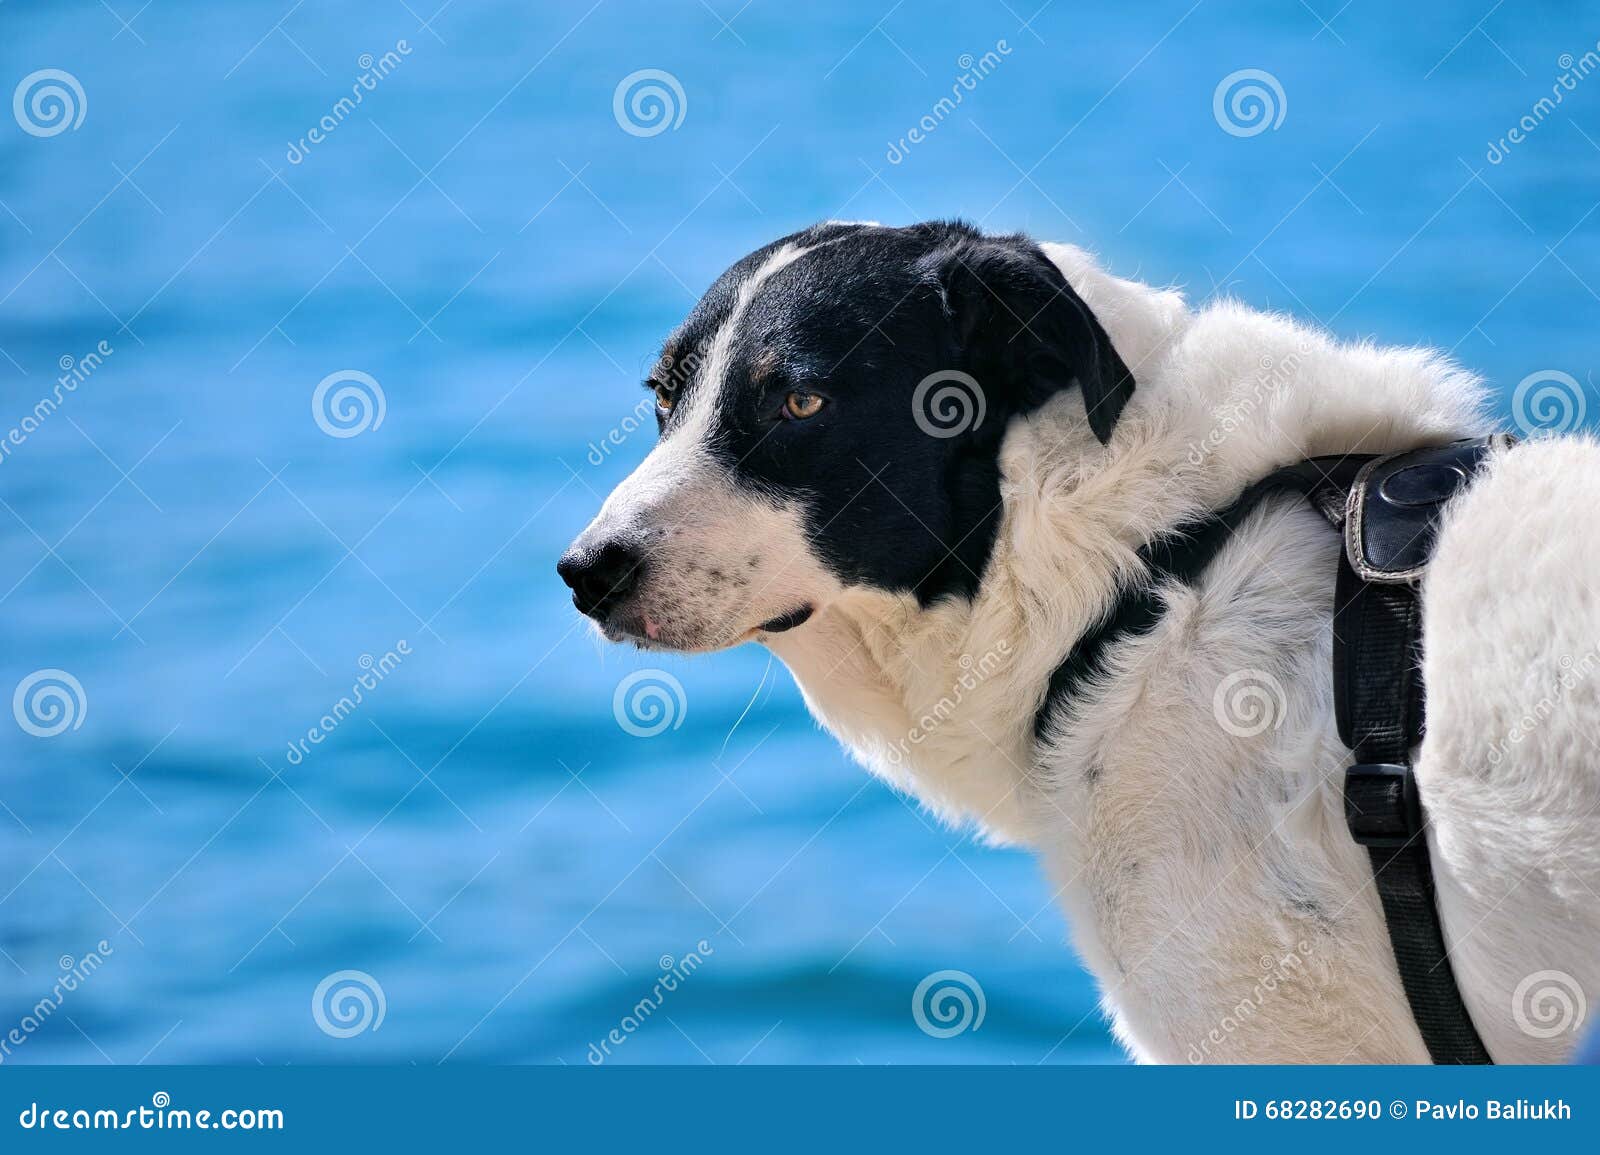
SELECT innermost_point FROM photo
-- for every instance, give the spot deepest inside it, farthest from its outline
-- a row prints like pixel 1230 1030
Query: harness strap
pixel 1380 702
pixel 1377 677
pixel 1181 557
pixel 1377 661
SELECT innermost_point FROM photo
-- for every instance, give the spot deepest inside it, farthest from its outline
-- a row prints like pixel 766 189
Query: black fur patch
pixel 864 318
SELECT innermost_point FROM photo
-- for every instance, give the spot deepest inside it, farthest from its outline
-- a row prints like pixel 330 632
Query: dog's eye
pixel 665 398
pixel 799 405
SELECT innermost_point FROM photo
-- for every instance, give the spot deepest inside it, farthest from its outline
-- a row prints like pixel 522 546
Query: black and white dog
pixel 918 464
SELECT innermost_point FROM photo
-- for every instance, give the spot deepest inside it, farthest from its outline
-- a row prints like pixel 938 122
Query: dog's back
pixel 1510 767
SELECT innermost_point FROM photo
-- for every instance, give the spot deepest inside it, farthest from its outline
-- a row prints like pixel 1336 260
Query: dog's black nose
pixel 602 577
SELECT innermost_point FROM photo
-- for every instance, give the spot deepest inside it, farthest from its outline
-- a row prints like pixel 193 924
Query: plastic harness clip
pixel 1381 804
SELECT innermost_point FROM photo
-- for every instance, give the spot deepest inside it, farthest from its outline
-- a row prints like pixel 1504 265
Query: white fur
pixel 1206 869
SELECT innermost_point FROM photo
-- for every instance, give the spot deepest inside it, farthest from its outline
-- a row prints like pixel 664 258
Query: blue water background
pixel 482 237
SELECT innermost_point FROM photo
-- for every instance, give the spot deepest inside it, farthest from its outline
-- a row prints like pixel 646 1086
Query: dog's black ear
pixel 1023 332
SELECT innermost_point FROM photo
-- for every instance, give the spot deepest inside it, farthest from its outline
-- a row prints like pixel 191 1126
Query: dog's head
pixel 831 415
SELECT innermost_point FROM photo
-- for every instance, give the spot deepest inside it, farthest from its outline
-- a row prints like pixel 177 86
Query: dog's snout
pixel 601 576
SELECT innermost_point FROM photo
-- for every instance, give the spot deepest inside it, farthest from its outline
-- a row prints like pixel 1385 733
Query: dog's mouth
pixel 644 631
pixel 786 621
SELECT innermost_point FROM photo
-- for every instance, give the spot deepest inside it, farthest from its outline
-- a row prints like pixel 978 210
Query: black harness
pixel 1387 509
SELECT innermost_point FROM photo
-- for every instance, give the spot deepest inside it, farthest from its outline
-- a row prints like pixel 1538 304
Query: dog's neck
pixel 941 701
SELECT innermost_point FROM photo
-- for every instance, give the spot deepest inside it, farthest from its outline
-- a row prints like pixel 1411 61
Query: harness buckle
pixel 1381 804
